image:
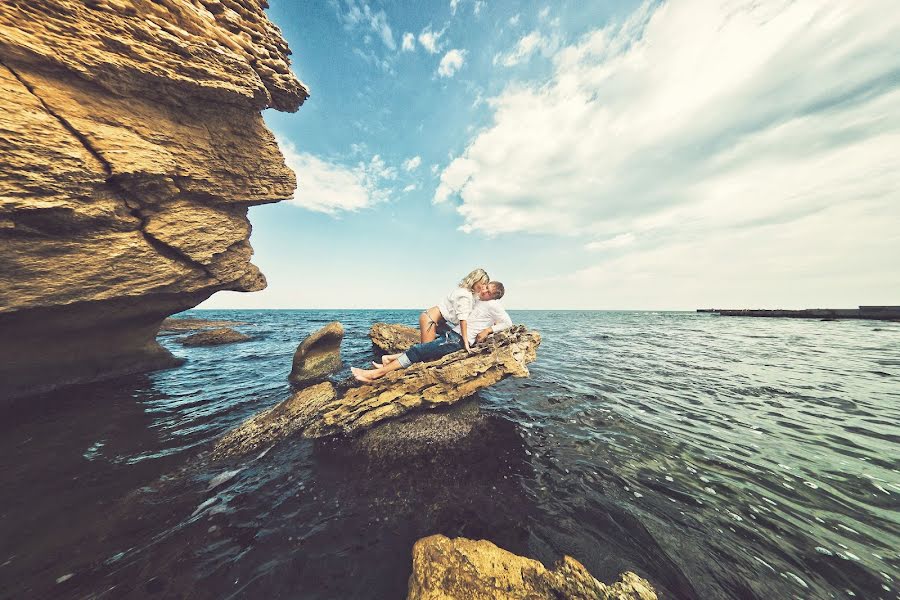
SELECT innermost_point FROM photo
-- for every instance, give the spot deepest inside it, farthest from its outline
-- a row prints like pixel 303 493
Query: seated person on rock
pixel 455 308
pixel 487 317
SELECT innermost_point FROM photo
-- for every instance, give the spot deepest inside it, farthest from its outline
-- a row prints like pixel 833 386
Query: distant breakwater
pixel 881 313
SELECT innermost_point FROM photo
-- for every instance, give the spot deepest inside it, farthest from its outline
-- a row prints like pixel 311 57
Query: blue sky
pixel 590 155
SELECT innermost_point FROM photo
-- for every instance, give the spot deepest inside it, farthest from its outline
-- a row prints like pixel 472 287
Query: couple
pixel 464 318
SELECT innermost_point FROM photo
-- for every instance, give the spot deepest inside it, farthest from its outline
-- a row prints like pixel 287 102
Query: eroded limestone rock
pixel 445 569
pixel 329 412
pixel 132 147
pixel 214 337
pixel 318 356
pixel 392 338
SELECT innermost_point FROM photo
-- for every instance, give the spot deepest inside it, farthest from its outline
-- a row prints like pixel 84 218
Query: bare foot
pixel 377 365
pixel 360 375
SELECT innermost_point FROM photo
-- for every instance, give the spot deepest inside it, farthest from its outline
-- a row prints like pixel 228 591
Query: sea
pixel 717 457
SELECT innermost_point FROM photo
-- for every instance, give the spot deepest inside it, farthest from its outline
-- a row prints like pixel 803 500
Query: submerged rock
pixel 132 147
pixel 415 433
pixel 325 411
pixel 318 356
pixel 391 338
pixel 214 337
pixel 175 325
pixel 445 569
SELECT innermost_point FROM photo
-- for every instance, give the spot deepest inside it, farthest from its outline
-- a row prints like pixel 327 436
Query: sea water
pixel 717 457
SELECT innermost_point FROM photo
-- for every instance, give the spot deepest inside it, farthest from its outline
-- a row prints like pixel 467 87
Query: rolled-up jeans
pixel 442 345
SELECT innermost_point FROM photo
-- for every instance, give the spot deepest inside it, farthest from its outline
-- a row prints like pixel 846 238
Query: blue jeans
pixel 440 346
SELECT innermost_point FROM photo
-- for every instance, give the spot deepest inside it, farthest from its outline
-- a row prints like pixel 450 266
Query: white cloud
pixel 526 46
pixel 476 9
pixel 409 188
pixel 514 20
pixel 454 4
pixel 409 42
pixel 329 187
pixel 768 137
pixel 431 40
pixel 411 164
pixel 619 241
pixel 452 62
pixel 544 13
pixel 359 13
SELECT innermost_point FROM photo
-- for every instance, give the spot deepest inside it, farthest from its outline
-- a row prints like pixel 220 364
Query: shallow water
pixel 718 457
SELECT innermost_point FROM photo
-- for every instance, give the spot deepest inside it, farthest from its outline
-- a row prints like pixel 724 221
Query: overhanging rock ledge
pixel 132 147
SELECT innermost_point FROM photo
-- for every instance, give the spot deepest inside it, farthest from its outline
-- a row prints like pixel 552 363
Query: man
pixel 487 317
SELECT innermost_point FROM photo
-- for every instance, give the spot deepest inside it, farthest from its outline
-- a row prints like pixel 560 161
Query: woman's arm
pixel 464 328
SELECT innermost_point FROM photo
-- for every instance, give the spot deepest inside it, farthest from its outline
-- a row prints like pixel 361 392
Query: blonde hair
pixel 476 276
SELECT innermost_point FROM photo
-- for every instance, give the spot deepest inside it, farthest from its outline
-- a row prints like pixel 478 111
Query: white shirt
pixel 457 306
pixel 488 313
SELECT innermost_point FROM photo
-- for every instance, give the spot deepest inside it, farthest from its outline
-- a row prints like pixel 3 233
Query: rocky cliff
pixel 131 146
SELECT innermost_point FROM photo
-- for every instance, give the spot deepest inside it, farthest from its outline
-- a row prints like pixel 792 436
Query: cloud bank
pixel 330 187
pixel 694 123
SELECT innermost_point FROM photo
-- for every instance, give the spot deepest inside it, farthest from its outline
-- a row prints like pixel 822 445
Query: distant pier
pixel 882 313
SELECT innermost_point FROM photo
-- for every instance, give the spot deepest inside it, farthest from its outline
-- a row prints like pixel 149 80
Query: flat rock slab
pixel 448 569
pixel 392 338
pixel 195 324
pixel 325 411
pixel 214 337
pixel 318 356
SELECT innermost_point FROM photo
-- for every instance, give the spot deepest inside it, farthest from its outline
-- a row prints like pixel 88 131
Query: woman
pixel 455 308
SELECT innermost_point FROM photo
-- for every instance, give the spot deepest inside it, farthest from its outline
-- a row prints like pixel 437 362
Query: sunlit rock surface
pixel 318 356
pixel 132 146
pixel 451 569
pixel 323 410
pixel 392 338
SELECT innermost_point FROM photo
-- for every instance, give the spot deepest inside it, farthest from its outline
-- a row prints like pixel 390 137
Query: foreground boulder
pixel 214 337
pixel 132 147
pixel 318 356
pixel 391 338
pixel 445 569
pixel 323 410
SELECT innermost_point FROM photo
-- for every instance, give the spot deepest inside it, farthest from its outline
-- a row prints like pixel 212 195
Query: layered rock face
pixel 131 146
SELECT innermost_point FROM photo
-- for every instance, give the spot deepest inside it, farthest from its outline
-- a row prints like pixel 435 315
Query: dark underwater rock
pixel 214 337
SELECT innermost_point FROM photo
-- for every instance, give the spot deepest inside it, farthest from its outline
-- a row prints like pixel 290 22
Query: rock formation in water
pixel 323 410
pixel 214 337
pixel 318 356
pixel 179 325
pixel 390 338
pixel 445 569
pixel 132 146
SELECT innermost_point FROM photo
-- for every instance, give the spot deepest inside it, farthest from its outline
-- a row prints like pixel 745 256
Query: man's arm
pixel 501 321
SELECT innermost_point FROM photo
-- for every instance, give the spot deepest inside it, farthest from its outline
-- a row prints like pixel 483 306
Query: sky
pixel 590 155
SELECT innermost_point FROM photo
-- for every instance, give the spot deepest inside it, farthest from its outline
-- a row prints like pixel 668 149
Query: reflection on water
pixel 719 458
